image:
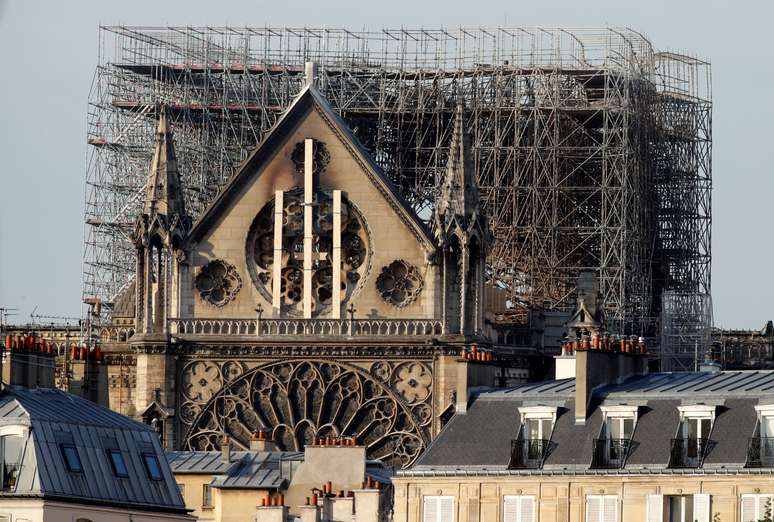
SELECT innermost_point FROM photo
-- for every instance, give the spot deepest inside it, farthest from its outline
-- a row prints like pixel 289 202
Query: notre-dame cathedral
pixel 309 299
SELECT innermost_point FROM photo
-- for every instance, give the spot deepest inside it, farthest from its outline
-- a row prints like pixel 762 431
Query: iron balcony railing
pixel 687 452
pixel 610 453
pixel 760 452
pixel 528 453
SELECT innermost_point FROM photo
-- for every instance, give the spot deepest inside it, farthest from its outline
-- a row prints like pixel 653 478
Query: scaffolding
pixel 686 330
pixel 592 149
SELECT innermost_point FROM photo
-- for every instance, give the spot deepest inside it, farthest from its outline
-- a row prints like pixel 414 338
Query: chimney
pixel 564 364
pixel 262 441
pixel 225 449
pixel 596 368
pixel 462 387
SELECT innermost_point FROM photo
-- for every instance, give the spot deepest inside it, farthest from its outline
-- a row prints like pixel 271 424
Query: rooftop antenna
pixel 4 313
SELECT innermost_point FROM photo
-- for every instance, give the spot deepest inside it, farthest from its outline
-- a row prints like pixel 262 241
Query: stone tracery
pixel 301 400
pixel 399 283
pixel 260 251
pixel 218 282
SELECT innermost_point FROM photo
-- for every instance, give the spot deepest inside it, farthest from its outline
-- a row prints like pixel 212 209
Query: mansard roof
pixel 480 440
pixel 308 100
pixel 51 418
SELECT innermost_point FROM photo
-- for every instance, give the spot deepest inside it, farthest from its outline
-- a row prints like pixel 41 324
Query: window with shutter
pixel 756 507
pixel 527 509
pixel 601 508
pixel 701 508
pixel 518 508
pixel 511 509
pixel 655 508
pixel 438 509
pixel 610 509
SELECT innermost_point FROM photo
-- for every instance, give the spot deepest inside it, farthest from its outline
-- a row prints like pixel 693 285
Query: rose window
pixel 399 283
pixel 354 251
pixel 218 282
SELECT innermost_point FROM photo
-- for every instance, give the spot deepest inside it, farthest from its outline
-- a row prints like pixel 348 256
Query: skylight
pixel 71 458
pixel 152 466
pixel 118 463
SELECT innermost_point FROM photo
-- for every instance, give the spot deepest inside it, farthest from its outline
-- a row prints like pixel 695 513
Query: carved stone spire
pixel 164 208
pixel 458 205
pixel 163 193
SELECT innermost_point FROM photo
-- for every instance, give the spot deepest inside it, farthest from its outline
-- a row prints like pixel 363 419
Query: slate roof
pixel 247 469
pixel 480 440
pixel 250 469
pixel 53 418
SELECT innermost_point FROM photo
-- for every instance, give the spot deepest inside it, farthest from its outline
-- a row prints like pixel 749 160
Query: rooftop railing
pixel 760 452
pixel 610 453
pixel 688 452
pixel 528 453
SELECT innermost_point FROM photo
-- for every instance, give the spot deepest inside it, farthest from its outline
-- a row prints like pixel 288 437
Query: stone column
pixel 139 289
pixel 155 369
pixel 464 289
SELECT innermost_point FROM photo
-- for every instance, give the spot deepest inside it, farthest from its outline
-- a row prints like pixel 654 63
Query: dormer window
pixel 760 452
pixel 11 447
pixel 612 446
pixel 529 449
pixel 690 444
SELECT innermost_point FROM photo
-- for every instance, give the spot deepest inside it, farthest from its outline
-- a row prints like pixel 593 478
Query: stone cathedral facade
pixel 308 299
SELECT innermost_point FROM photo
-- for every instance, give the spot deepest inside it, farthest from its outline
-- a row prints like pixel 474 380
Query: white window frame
pixel 619 413
pixel 540 413
pixel 438 498
pixel 602 499
pixel 519 515
pixel 765 412
pixel 14 429
pixel 697 411
pixel 759 499
pixel 684 500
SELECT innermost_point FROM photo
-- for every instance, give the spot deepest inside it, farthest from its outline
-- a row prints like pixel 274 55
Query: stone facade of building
pixel 213 338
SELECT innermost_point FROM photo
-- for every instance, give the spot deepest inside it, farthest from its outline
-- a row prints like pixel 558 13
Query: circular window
pixel 218 282
pixel 320 157
pixel 354 251
pixel 399 283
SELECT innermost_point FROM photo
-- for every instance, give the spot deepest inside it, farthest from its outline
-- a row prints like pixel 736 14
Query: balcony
pixel 687 453
pixel 528 453
pixel 760 452
pixel 610 453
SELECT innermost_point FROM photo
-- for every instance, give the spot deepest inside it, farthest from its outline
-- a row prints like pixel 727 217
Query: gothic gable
pixel 385 248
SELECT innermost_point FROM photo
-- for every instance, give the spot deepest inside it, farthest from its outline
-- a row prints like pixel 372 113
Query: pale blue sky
pixel 48 52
